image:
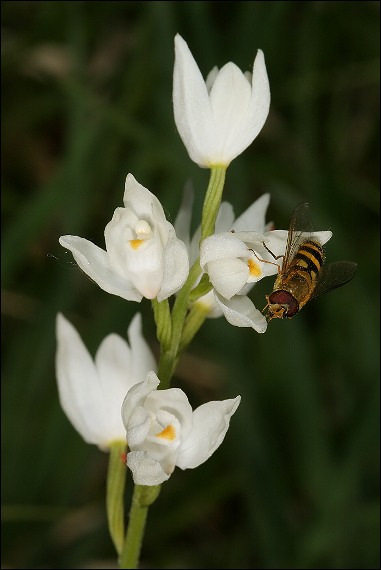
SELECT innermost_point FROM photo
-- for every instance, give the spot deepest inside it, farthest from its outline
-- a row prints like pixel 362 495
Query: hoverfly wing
pixel 334 275
pixel 300 228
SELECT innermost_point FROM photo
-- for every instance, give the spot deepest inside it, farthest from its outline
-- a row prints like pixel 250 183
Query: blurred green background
pixel 86 98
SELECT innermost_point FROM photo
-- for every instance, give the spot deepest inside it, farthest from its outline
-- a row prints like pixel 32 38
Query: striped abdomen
pixel 295 284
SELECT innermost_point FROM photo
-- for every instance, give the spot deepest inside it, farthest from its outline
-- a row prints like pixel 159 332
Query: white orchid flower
pixel 163 432
pixel 91 392
pixel 235 261
pixel 253 218
pixel 219 118
pixel 143 256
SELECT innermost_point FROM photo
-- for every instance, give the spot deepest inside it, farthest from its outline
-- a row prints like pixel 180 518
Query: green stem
pixel 142 498
pixel 194 321
pixel 169 357
pixel 202 289
pixel 212 200
pixel 162 316
pixel 116 478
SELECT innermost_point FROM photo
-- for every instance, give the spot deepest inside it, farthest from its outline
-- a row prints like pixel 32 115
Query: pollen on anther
pixel 168 433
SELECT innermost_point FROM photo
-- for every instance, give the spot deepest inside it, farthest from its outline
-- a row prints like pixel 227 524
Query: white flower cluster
pixel 162 430
pixel 115 396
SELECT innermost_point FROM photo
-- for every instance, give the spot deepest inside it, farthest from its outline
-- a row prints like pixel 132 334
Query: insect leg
pixel 271 253
pixel 265 260
pixel 267 304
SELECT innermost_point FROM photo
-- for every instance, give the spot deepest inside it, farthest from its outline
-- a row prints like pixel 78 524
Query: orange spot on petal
pixel 123 457
pixel 254 268
pixel 135 243
pixel 168 433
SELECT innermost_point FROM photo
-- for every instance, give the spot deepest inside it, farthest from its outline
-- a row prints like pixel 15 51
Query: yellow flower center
pixel 254 269
pixel 135 243
pixel 168 433
pixel 143 231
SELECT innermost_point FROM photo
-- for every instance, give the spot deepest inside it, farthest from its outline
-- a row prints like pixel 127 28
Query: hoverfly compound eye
pixel 287 301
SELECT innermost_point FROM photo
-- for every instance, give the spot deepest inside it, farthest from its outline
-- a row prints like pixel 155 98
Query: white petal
pixel 225 218
pixel 145 470
pixel 145 266
pixel 228 276
pixel 230 100
pixel 211 77
pixel 78 384
pixel 113 363
pixel 175 402
pixel 142 359
pixel 191 105
pixel 208 303
pixel 138 427
pixel 176 266
pixel 210 424
pixel 137 394
pixel 95 263
pixel 241 312
pixel 118 234
pixel 250 238
pixel 253 219
pixel 258 109
pixel 268 271
pixel 221 246
pixel 276 240
pixel 322 237
pixel 141 201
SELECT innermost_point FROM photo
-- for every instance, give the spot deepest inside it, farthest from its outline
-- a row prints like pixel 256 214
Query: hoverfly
pixel 303 275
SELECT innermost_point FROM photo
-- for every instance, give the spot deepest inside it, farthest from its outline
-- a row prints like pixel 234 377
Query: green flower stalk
pixel 142 499
pixel 116 479
pixel 212 200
